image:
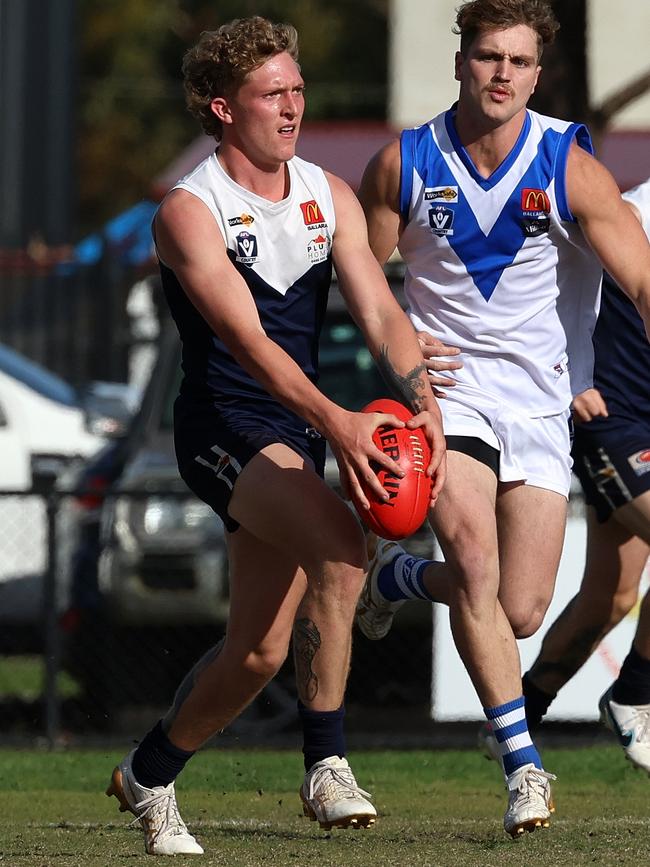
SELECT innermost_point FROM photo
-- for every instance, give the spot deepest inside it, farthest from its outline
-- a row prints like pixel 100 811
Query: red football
pixel 406 510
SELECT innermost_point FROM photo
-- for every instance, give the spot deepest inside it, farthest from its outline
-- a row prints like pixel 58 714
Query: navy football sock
pixel 537 702
pixel 403 578
pixel 322 734
pixel 157 762
pixel 633 683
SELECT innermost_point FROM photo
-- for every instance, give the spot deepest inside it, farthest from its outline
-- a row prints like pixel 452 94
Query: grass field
pixel 435 809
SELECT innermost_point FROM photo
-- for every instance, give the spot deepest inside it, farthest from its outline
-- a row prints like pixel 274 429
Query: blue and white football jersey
pixel 498 266
pixel 283 252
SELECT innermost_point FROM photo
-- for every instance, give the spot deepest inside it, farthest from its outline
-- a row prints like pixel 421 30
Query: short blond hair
pixel 220 61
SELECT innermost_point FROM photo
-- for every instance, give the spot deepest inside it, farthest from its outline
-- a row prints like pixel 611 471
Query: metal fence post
pixel 51 626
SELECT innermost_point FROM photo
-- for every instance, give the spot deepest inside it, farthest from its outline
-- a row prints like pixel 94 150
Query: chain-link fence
pixel 101 616
pixel 59 313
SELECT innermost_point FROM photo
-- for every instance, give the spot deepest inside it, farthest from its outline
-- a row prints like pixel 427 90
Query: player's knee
pixel 525 621
pixel 622 603
pixel 477 578
pixel 265 661
pixel 343 573
pixel 343 581
pixel 353 549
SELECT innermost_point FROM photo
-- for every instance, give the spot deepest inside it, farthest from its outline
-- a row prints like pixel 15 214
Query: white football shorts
pixel 536 451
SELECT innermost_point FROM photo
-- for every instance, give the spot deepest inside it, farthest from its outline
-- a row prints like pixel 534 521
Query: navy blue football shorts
pixel 613 465
pixel 213 448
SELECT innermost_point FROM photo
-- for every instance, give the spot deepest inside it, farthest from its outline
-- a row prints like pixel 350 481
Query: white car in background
pixel 42 422
pixel 44 425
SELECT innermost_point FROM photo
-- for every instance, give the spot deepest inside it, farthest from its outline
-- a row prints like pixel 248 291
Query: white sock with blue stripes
pixel 402 578
pixel 509 726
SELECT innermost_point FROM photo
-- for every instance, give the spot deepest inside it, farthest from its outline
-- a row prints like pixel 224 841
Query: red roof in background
pixel 341 147
pixel 344 148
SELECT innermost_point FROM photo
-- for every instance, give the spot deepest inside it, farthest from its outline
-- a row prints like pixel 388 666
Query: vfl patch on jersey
pixel 242 220
pixel 318 249
pixel 246 248
pixel 441 220
pixel 311 213
pixel 441 194
pixel 640 462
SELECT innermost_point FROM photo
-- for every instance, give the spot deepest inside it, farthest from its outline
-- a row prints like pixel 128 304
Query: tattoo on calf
pixel 306 642
pixel 408 389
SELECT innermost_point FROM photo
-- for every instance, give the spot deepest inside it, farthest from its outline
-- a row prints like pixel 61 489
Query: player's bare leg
pixel 531 526
pixel 329 544
pixel 256 642
pixel 465 524
pixel 469 524
pixel 609 589
pixel 294 525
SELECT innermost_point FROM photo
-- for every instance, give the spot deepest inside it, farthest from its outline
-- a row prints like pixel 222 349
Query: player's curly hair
pixel 475 16
pixel 220 61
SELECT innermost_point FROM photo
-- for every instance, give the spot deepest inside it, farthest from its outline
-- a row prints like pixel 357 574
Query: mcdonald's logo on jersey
pixel 535 201
pixel 311 213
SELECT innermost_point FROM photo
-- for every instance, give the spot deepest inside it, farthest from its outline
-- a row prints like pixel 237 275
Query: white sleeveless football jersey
pixel 283 251
pixel 498 266
pixel 301 225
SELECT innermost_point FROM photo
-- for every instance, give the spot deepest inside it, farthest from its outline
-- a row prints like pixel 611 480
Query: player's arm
pixel 611 228
pixel 386 327
pixel 379 197
pixel 190 243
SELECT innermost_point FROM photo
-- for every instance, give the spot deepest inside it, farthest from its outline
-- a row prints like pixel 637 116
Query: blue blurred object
pixel 128 237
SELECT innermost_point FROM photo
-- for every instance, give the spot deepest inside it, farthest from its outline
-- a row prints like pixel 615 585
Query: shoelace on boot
pixel 156 810
pixel 535 779
pixel 343 776
pixel 642 723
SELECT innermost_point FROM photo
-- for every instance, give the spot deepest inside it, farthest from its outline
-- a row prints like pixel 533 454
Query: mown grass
pixel 22 677
pixel 436 808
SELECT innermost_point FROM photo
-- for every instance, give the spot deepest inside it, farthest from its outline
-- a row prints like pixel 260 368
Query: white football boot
pixel 529 796
pixel 631 725
pixel 331 796
pixel 165 833
pixel 374 612
pixel 489 746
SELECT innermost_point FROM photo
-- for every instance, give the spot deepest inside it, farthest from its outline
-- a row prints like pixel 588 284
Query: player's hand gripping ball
pixel 406 508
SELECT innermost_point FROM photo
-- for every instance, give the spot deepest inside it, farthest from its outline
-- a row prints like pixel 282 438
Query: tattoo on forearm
pixel 306 642
pixel 409 389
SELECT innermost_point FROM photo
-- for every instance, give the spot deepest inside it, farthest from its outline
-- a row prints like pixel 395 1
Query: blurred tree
pixel 563 62
pixel 132 115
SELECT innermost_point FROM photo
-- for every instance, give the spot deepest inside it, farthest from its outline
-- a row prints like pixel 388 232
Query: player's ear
pixel 219 107
pixel 539 69
pixel 458 62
